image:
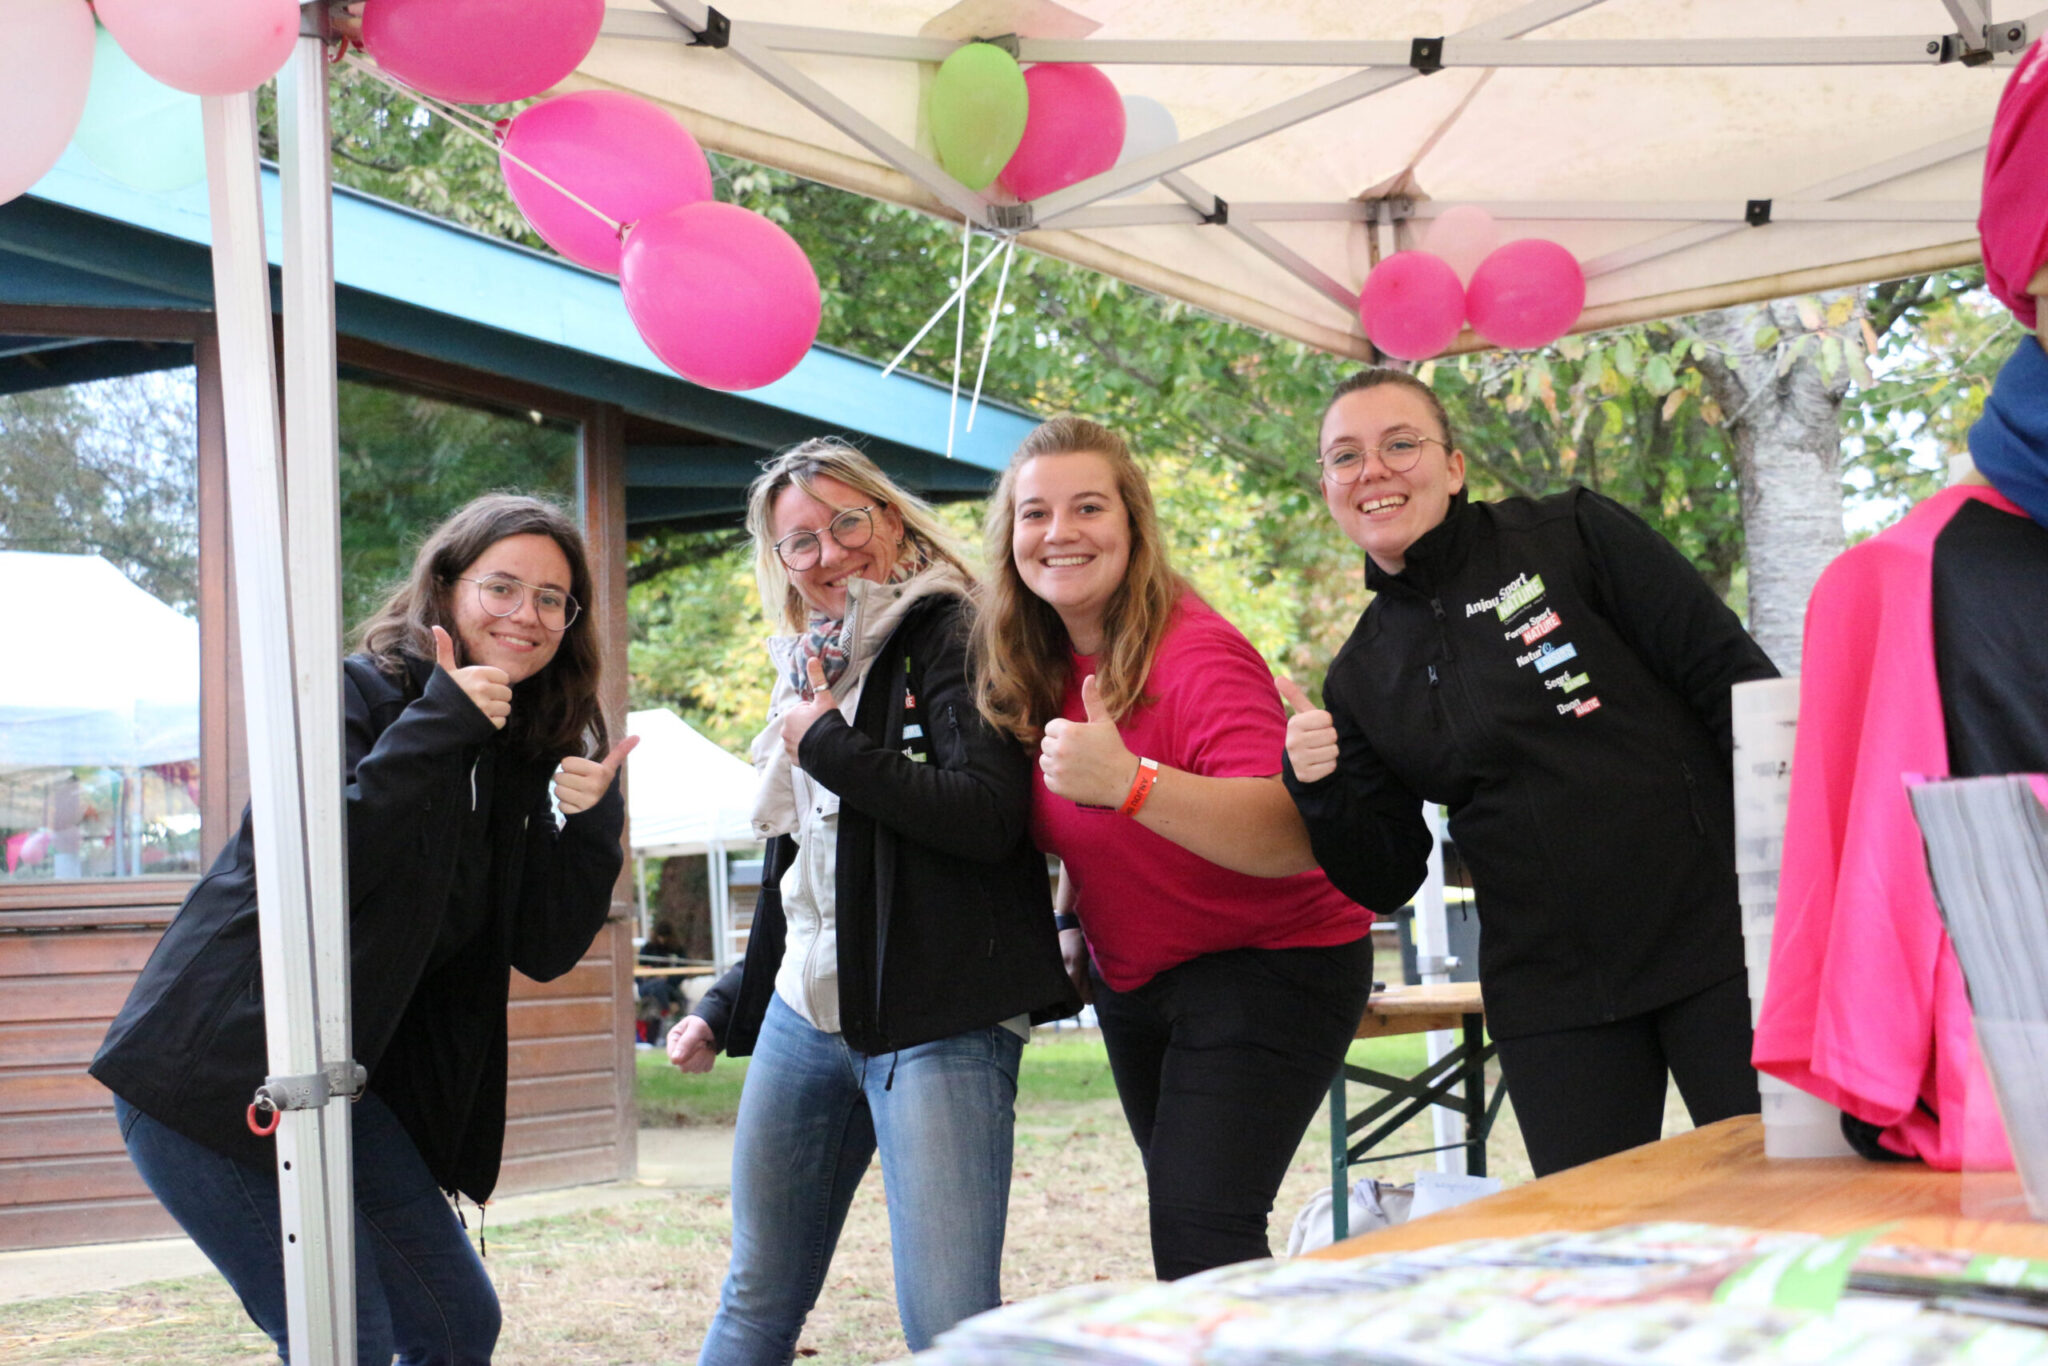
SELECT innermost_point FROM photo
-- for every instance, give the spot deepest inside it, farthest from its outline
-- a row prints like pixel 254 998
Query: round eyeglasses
pixel 1343 464
pixel 850 530
pixel 501 595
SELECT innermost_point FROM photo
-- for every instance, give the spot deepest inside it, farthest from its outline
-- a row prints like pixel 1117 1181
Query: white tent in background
pixel 114 681
pixel 687 795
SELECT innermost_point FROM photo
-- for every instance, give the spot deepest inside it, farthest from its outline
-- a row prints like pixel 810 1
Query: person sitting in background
pixel 660 996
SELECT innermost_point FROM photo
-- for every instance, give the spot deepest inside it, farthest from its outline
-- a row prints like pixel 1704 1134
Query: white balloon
pixel 45 72
pixel 1463 235
pixel 1148 128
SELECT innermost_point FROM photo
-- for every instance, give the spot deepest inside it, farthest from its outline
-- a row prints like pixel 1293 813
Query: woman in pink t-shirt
pixel 1228 974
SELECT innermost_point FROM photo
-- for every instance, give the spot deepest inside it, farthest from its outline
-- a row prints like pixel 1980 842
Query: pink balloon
pixel 1412 305
pixel 480 51
pixel 614 151
pixel 1464 235
pixel 1528 293
pixel 1074 130
pixel 726 298
pixel 222 47
pixel 45 71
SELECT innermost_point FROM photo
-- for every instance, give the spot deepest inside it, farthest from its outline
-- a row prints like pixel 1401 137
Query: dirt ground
pixel 635 1280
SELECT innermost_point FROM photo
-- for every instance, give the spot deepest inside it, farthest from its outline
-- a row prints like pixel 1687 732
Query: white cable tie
pixel 959 339
pixel 932 322
pixel 469 125
pixel 988 338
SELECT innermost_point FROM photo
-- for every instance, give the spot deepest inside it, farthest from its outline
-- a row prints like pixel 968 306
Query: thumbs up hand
pixel 798 720
pixel 489 688
pixel 1311 735
pixel 581 783
pixel 1087 761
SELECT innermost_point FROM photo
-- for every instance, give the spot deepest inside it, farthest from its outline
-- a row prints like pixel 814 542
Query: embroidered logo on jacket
pixel 1519 592
pixel 1549 657
pixel 1534 630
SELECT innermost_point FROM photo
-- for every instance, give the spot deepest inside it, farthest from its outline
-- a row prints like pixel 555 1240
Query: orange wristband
pixel 1141 787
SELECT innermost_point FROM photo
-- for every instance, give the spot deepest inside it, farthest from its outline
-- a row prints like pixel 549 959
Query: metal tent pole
pixel 1432 953
pixel 249 400
pixel 312 490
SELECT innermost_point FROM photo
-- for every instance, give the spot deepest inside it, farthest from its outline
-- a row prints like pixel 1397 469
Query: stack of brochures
pixel 1987 846
pixel 1656 1294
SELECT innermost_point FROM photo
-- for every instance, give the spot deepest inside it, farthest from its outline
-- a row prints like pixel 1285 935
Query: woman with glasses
pixel 1557 675
pixel 473 702
pixel 903 942
pixel 1229 976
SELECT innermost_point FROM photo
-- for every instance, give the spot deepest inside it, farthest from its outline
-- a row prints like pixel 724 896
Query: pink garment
pixel 1146 903
pixel 2013 220
pixel 1866 1006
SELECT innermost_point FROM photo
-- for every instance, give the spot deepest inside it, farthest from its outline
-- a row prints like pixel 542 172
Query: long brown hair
pixel 557 710
pixel 828 457
pixel 1020 644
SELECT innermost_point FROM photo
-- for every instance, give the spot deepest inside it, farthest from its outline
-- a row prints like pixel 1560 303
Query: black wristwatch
pixel 1066 921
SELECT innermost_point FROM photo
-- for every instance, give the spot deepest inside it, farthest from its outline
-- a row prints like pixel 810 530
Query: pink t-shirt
pixel 1146 903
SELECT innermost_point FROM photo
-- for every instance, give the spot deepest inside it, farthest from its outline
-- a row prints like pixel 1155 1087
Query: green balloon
pixel 138 130
pixel 977 108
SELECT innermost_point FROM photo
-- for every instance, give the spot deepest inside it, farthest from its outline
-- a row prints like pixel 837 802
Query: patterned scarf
pixel 824 638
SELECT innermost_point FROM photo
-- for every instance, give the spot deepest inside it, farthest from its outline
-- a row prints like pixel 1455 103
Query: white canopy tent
pixel 688 796
pixel 115 680
pixel 1690 153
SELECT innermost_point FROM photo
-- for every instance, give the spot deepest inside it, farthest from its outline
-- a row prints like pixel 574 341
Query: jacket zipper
pixel 1692 798
pixel 472 782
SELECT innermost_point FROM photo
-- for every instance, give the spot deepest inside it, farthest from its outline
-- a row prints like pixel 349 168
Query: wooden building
pixel 523 367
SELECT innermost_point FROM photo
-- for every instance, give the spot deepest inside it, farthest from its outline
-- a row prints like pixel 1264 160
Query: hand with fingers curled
pixel 581 783
pixel 690 1045
pixel 489 688
pixel 798 720
pixel 1311 735
pixel 1087 761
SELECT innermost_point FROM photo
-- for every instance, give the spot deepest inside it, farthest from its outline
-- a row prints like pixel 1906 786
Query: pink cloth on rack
pixel 1865 1005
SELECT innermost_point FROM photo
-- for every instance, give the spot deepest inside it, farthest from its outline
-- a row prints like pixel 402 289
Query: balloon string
pixel 469 125
pixel 988 337
pixel 959 334
pixel 951 299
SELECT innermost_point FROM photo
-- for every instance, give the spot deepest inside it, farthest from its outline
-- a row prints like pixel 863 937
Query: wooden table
pixel 1719 1175
pixel 1457 1079
pixel 679 970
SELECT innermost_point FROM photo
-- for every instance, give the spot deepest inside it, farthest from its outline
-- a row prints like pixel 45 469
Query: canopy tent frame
pixel 1501 43
pixel 290 621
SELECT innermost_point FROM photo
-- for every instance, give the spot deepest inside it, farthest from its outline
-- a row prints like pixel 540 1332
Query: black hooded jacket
pixel 433 793
pixel 1556 674
pixel 944 909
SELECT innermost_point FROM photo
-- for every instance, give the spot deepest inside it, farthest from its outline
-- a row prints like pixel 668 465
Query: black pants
pixel 1585 1093
pixel 1221 1063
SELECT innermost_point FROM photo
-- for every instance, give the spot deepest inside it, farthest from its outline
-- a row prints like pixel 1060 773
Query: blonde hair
pixel 828 457
pixel 1020 644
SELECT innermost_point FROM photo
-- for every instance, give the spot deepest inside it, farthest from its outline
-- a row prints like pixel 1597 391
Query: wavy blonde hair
pixel 1020 645
pixel 829 457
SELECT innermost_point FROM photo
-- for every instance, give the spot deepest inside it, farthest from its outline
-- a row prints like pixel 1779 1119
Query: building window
pixel 99 571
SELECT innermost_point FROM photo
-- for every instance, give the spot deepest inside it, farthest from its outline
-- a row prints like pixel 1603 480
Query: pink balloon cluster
pixel 1520 294
pixel 721 295
pixel 1074 129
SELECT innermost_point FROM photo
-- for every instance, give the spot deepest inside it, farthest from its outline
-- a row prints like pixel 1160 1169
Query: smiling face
pixel 1384 513
pixel 823 585
pixel 1071 538
pixel 518 644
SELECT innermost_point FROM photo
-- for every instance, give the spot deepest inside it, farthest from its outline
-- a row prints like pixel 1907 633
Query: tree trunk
pixel 1784 415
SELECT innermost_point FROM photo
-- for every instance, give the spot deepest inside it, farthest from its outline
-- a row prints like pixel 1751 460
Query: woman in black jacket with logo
pixel 476 686
pixel 903 942
pixel 1557 675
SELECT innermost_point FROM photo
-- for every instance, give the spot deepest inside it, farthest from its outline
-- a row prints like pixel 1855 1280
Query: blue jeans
pixel 421 1291
pixel 813 1111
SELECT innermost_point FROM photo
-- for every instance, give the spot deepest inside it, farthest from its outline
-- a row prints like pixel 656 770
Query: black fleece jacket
pixel 427 1006
pixel 944 910
pixel 1556 674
